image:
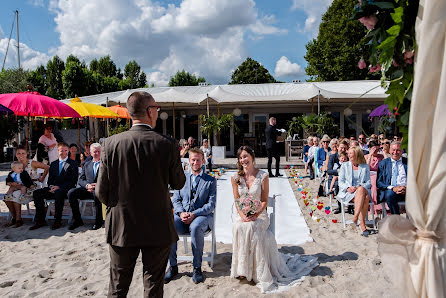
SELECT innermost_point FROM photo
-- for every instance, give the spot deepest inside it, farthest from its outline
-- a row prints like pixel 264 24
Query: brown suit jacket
pixel 136 168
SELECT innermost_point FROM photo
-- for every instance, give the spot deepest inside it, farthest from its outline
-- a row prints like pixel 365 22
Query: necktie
pixel 95 168
pixel 195 183
pixel 61 164
pixel 394 172
pixel 15 177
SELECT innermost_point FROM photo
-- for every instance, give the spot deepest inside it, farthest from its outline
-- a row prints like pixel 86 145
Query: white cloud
pixel 158 78
pixel 29 58
pixel 314 9
pixel 202 36
pixel 284 68
pixel 39 3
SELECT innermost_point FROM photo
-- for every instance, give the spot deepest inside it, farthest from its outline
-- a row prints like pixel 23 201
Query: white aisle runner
pixel 291 227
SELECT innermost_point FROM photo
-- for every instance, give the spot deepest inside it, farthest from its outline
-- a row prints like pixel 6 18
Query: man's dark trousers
pixel 59 197
pixel 392 200
pixel 273 153
pixel 81 193
pixel 122 264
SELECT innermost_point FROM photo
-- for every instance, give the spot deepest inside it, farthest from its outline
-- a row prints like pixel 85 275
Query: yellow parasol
pixel 90 110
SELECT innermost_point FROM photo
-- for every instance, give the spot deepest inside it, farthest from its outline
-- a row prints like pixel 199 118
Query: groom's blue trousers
pixel 197 228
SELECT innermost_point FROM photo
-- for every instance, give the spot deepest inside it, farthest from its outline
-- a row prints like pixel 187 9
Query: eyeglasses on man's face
pixel 384 143
pixel 158 108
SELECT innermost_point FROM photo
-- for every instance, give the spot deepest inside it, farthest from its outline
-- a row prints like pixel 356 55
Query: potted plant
pixel 213 124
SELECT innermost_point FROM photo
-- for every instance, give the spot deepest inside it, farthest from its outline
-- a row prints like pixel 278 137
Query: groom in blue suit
pixel 194 208
pixel 392 178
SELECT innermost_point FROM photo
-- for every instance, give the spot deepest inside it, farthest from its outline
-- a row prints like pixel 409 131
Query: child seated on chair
pixel 18 181
pixel 342 158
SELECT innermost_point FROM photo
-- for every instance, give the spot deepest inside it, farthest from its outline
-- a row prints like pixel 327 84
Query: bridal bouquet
pixel 248 204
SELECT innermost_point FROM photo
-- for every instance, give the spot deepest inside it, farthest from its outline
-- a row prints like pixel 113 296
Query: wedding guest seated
pixel 385 148
pixel 354 185
pixel 312 155
pixel 62 177
pixel 194 208
pixel 363 143
pixel 333 168
pixel 86 156
pixel 85 191
pixel 19 182
pixel 373 158
pixel 323 154
pixel 73 155
pixel 306 149
pixel 207 154
pixel 392 178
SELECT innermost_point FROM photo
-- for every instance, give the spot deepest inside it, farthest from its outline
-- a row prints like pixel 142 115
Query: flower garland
pixel 392 46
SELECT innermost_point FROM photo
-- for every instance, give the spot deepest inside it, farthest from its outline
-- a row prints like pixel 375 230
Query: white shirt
pixel 63 160
pixel 311 151
pixel 16 177
pixel 401 179
pixel 193 177
pixel 140 124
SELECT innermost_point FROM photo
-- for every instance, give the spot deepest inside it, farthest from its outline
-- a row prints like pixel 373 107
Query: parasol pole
pixel 173 118
pixel 106 105
pixel 79 133
pixel 318 103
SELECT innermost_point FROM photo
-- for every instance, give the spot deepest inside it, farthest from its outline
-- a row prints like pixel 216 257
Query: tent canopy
pixel 276 92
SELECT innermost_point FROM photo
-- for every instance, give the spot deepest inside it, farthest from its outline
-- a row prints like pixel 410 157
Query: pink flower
pixel 408 57
pixel 394 63
pixel 375 68
pixel 369 22
pixel 361 64
pixel 246 209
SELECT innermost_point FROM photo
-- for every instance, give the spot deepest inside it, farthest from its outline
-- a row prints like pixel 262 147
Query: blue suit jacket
pixel 346 178
pixel 203 204
pixel 88 175
pixel 385 175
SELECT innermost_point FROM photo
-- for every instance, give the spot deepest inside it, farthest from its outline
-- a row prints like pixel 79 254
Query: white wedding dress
pixel 255 254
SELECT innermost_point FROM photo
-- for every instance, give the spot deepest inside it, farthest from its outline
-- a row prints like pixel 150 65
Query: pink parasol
pixel 36 105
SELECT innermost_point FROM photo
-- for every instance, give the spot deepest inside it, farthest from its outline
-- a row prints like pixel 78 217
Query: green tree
pixel 340 44
pixel 9 126
pixel 72 58
pixel 74 79
pixel 106 67
pixel 13 80
pixel 37 79
pixel 251 72
pixel 54 69
pixel 134 76
pixel 184 78
pixel 94 65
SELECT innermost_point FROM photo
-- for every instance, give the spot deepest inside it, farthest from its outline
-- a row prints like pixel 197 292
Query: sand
pixel 61 263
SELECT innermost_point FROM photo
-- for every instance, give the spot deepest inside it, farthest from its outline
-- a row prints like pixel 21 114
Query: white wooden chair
pixel 271 210
pixel 48 215
pixel 83 207
pixel 367 221
pixel 207 256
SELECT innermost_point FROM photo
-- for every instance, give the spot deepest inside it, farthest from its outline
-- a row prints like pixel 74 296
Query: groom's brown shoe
pixel 37 225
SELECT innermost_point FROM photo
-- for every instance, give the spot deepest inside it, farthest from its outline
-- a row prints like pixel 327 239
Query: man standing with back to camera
pixel 136 168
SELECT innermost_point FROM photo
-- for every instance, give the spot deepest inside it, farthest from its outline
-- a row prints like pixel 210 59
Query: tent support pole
pixel 319 103
pixel 173 118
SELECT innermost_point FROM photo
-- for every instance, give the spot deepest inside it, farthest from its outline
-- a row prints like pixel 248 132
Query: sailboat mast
pixel 18 41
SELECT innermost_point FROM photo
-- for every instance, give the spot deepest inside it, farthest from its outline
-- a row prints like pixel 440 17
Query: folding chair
pixel 48 213
pixel 271 210
pixel 83 207
pixel 207 256
pixel 383 204
pixel 367 221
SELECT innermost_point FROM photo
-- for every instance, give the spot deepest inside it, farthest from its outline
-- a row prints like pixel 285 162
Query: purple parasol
pixel 382 110
pixel 4 110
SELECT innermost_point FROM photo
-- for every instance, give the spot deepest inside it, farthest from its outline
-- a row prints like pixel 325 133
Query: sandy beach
pixel 62 263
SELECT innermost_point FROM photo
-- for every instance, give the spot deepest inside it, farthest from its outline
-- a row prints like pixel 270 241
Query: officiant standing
pixel 137 167
pixel 272 148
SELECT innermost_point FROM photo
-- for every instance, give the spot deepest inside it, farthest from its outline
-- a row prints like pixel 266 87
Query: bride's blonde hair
pixel 240 172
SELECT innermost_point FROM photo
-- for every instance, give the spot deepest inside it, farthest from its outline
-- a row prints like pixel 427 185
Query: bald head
pixel 138 103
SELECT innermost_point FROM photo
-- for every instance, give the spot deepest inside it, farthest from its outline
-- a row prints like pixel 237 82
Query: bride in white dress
pixel 255 255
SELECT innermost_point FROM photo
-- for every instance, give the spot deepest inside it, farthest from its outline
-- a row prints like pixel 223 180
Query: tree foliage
pixel 332 56
pixel 391 44
pixel 74 79
pixel 214 124
pixel 318 124
pixel 54 69
pixel 13 80
pixel 251 72
pixel 134 77
pixel 106 67
pixel 184 78
pixel 37 79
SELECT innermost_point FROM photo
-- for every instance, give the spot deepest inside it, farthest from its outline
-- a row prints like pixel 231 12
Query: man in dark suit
pixel 194 208
pixel 392 178
pixel 62 177
pixel 85 191
pixel 333 170
pixel 136 169
pixel 272 150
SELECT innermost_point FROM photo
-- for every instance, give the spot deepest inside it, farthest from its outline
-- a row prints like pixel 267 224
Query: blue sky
pixel 207 37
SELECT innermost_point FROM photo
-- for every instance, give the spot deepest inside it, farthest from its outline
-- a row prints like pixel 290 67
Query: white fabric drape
pixel 414 250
